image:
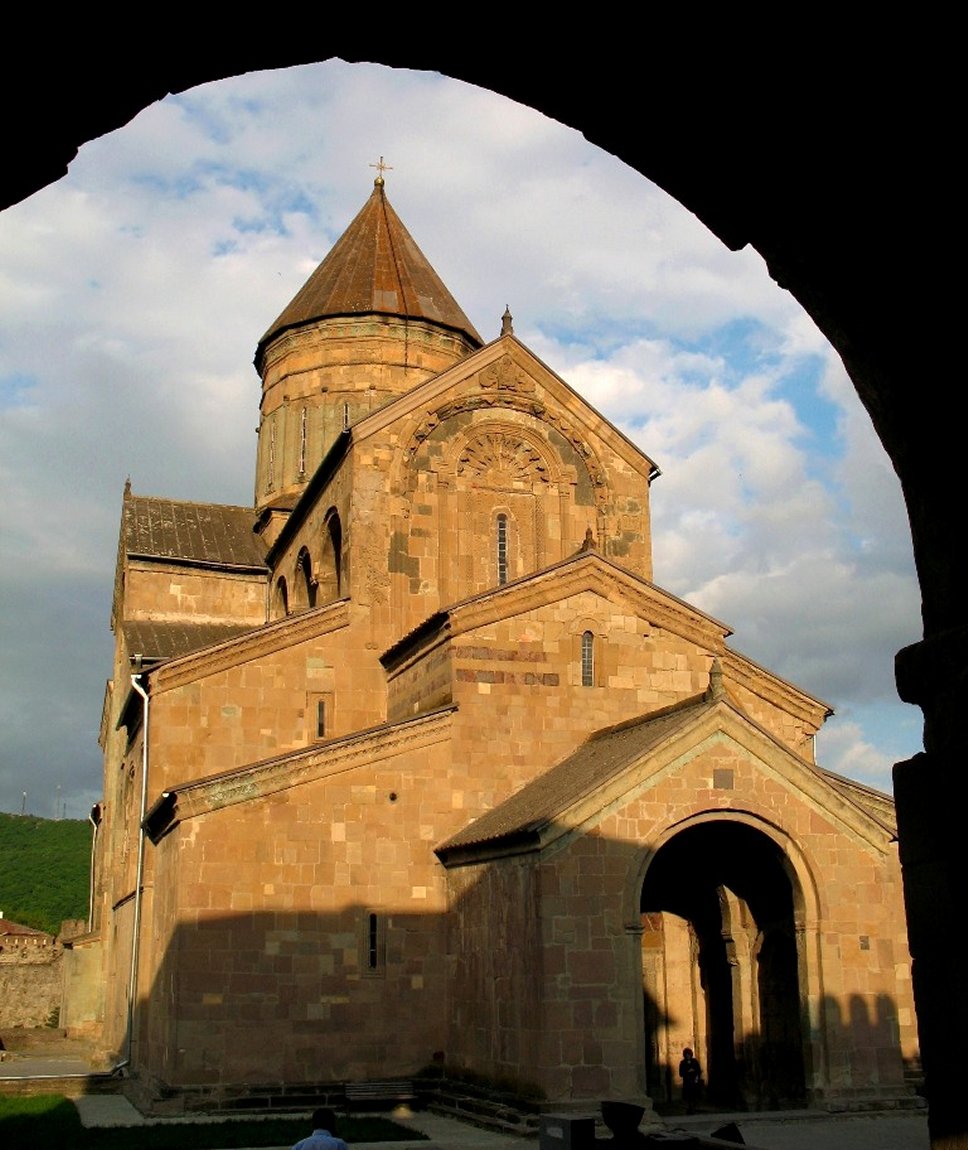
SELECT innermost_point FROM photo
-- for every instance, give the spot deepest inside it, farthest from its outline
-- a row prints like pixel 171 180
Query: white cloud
pixel 133 292
pixel 843 747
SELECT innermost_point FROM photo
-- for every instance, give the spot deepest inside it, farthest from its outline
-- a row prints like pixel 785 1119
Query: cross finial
pixel 381 167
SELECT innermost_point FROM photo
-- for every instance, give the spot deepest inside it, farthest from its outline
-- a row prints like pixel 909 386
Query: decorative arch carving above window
pixel 431 426
pixel 503 459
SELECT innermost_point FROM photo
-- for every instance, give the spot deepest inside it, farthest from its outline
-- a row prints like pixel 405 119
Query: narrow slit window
pixel 346 416
pixel 374 945
pixel 271 470
pixel 320 716
pixel 372 942
pixel 502 550
pixel 303 419
pixel 588 659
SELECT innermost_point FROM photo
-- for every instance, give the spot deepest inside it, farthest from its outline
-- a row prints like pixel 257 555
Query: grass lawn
pixel 52 1120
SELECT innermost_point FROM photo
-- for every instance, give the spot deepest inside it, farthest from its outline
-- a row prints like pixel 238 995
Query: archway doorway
pixel 722 972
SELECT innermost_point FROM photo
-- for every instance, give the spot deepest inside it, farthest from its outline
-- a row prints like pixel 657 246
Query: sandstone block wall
pixel 314 913
pixel 30 989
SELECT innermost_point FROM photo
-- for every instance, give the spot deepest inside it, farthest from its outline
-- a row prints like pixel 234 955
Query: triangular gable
pixel 617 764
pixel 505 373
pixel 295 768
pixel 502 374
pixel 252 643
pixel 584 571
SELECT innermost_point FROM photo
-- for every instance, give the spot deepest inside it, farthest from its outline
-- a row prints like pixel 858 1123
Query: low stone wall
pixel 30 989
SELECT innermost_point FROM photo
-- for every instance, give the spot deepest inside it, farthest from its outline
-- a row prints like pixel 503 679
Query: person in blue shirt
pixel 323 1136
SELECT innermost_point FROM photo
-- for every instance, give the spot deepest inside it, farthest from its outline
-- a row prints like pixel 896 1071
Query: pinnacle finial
pixel 716 689
pixel 381 167
pixel 507 322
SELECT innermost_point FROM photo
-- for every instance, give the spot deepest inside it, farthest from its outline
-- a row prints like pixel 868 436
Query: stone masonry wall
pixel 266 965
pixel 30 989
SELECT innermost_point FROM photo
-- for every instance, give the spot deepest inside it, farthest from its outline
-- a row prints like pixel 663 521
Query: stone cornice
pixel 585 571
pixel 719 723
pixel 436 399
pixel 176 563
pixel 323 760
pixel 773 689
pixel 255 644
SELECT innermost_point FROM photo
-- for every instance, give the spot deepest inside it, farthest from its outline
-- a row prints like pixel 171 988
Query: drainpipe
pixel 136 930
pixel 95 823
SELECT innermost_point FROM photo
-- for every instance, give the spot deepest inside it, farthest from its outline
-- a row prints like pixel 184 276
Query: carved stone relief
pixel 501 460
pixel 507 399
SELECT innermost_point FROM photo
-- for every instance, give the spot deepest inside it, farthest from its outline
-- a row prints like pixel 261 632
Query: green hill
pixel 44 870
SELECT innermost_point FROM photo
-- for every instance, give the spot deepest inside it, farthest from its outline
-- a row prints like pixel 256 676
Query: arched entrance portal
pixel 721 967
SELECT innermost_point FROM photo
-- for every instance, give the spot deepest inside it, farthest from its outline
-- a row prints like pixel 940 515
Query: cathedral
pixel 412 763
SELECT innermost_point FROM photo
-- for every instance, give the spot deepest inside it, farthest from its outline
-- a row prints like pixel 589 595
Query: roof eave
pixel 521 842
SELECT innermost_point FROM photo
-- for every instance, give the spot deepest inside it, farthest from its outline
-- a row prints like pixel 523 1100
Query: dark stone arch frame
pixel 835 180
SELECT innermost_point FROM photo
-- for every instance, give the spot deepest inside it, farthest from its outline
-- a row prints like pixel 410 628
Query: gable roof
pixel 584 571
pixel 604 755
pixel 9 929
pixel 433 397
pixel 375 267
pixel 438 393
pixel 297 767
pixel 878 804
pixel 201 534
pixel 158 641
pixel 526 821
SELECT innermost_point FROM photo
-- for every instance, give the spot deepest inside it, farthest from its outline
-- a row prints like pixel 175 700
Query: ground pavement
pixel 786 1130
pixel 789 1130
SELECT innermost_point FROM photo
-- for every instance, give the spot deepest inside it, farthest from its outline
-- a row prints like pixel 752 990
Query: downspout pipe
pixel 136 929
pixel 94 818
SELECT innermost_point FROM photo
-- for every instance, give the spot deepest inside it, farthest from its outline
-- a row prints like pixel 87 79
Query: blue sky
pixel 134 291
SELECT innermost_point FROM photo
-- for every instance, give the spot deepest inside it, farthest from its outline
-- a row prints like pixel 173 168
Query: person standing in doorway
pixel 691 1074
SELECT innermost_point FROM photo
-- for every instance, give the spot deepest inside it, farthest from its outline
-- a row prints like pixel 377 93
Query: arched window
pixel 305 580
pixel 303 421
pixel 281 599
pixel 271 467
pixel 588 659
pixel 502 549
pixel 335 529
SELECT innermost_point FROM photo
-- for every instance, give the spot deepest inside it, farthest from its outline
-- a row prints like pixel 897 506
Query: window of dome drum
pixel 502 549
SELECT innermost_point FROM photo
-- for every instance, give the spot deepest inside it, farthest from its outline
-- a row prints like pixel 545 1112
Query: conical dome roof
pixel 375 267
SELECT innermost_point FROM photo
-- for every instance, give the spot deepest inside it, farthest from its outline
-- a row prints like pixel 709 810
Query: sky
pixel 134 291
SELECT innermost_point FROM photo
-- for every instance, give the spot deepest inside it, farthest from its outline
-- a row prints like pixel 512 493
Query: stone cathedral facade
pixel 412 761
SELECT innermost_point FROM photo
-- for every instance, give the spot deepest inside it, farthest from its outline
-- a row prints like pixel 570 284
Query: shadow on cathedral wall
pixel 537 981
pixel 864 1049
